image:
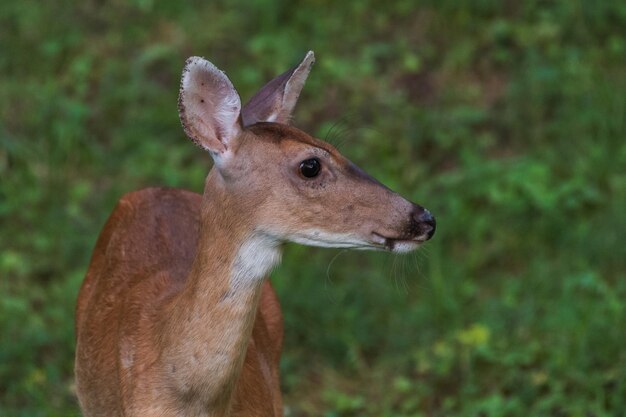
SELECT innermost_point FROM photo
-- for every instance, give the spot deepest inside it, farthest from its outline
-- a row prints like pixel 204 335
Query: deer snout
pixel 418 227
pixel 424 223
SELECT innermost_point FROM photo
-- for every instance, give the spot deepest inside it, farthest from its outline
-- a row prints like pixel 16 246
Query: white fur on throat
pixel 255 259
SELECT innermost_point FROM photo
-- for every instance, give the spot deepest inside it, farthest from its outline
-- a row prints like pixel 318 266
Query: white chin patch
pixel 404 246
pixel 325 239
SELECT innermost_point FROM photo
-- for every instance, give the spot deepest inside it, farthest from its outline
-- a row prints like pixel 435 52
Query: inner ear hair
pixel 275 102
pixel 209 106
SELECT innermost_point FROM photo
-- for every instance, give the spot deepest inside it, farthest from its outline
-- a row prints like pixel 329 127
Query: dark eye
pixel 310 167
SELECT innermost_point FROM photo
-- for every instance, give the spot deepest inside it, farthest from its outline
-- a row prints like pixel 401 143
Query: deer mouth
pixel 397 244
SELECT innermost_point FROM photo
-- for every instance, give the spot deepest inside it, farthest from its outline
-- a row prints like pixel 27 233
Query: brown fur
pixel 176 316
pixel 141 260
pixel 161 331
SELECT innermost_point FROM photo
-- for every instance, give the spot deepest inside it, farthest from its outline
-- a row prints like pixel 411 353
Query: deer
pixel 176 315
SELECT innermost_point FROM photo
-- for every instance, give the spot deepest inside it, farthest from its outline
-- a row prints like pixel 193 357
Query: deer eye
pixel 310 168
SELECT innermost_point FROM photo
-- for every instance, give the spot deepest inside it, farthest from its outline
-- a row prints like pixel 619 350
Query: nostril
pixel 433 225
pixel 425 216
pixel 427 223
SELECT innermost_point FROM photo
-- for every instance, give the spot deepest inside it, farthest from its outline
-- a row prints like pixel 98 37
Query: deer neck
pixel 211 320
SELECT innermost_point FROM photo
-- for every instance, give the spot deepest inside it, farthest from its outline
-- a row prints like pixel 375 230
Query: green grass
pixel 506 119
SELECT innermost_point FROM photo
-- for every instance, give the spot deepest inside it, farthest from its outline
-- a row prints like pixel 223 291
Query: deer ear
pixel 276 100
pixel 208 106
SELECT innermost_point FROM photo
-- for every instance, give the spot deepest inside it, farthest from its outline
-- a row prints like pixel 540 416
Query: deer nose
pixel 426 222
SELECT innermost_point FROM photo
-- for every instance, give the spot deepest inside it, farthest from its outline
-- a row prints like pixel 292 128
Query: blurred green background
pixel 506 119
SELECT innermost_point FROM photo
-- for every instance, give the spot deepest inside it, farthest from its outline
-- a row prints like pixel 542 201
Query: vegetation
pixel 506 119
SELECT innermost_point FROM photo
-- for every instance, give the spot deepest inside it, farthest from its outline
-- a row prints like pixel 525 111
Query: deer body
pixel 175 316
pixel 159 230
